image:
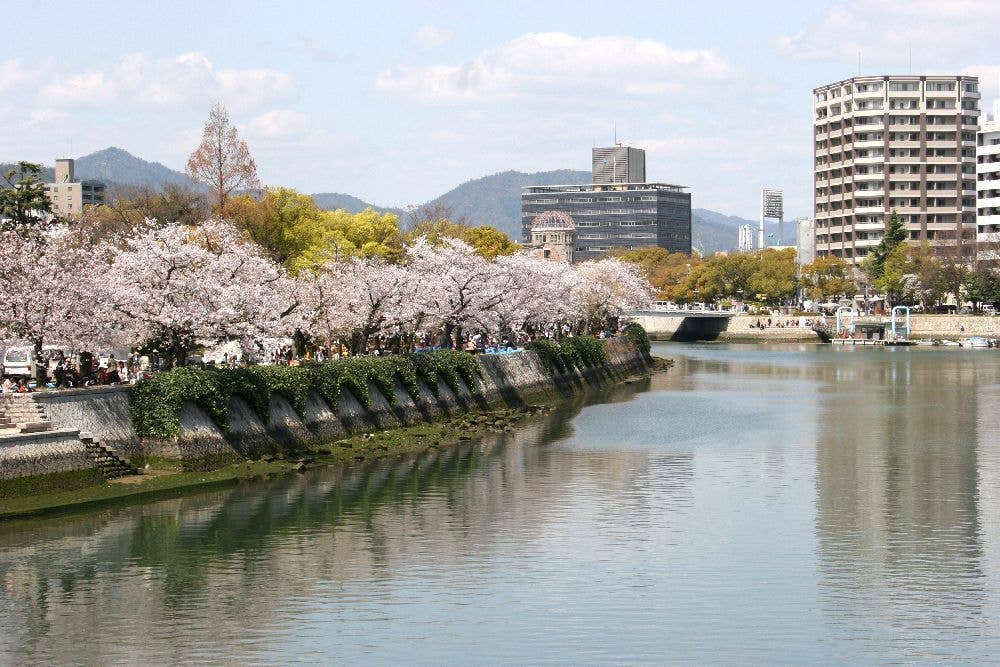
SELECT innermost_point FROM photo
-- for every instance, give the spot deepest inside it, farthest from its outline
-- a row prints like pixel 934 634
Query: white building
pixel 806 242
pixel 895 143
pixel 988 188
pixel 746 238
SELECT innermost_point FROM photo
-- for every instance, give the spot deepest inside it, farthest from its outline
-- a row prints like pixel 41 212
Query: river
pixel 754 504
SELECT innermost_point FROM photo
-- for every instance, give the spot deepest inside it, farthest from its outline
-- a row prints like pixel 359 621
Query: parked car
pixel 19 361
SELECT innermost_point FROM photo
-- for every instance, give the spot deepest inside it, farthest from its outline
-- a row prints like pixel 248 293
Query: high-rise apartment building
pixel 895 143
pixel 988 188
pixel 746 234
pixel 68 195
pixel 618 164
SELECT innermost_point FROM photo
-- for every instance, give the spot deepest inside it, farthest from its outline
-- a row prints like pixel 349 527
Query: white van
pixel 19 362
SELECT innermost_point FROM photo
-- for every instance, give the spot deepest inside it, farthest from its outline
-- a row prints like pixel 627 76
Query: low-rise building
pixel 68 195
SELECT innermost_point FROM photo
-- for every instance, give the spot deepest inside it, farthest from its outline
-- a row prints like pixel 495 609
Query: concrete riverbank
pixel 205 453
pixel 746 328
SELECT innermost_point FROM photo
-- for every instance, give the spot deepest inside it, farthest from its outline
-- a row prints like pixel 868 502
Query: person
pixel 112 370
pixel 8 386
pixel 22 386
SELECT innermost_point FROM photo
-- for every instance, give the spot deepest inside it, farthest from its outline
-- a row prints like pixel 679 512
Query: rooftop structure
pixel 618 164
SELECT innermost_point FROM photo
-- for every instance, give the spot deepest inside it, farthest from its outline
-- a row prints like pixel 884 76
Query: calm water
pixel 753 505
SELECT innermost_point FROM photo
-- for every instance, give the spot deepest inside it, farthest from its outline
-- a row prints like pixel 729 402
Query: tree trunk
pixel 41 367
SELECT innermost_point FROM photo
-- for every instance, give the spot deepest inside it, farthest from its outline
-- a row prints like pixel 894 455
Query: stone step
pixel 34 427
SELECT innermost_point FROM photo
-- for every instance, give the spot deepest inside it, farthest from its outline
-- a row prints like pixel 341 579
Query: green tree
pixel 982 286
pixel 893 279
pixel 895 234
pixel 23 200
pixel 828 277
pixel 488 242
pixel 665 270
pixel 775 275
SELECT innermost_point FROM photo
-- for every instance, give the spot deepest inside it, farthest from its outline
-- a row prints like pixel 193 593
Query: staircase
pixel 107 459
pixel 19 413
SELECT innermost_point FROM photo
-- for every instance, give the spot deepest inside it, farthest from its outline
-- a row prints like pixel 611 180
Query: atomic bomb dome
pixel 553 220
pixel 553 235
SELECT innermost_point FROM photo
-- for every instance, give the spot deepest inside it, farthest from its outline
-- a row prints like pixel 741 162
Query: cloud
pixel 884 31
pixel 46 116
pixel 189 78
pixel 90 87
pixel 278 124
pixel 556 63
pixel 431 37
pixel 14 74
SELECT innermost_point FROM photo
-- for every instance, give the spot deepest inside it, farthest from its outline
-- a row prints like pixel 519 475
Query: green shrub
pixel 578 352
pixel 635 333
pixel 155 402
pixel 548 352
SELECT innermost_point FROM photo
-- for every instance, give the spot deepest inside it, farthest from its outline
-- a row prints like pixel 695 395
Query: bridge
pixel 683 323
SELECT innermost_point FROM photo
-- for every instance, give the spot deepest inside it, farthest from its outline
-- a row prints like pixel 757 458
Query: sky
pixel 398 102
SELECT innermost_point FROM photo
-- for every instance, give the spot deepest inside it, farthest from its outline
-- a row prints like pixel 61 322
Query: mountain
pixel 496 200
pixel 113 165
pixel 332 201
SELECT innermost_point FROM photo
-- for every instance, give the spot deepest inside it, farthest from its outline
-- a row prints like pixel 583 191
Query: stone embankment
pixel 93 428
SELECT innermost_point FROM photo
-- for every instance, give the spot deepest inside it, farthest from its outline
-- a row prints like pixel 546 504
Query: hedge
pixel 637 334
pixel 578 352
pixel 155 402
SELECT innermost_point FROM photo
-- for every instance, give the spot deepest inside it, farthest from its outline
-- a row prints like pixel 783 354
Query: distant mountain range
pixel 491 200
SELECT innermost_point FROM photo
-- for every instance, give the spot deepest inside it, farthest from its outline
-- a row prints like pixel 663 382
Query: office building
pixel 618 164
pixel 614 215
pixel 988 188
pixel 68 195
pixel 903 143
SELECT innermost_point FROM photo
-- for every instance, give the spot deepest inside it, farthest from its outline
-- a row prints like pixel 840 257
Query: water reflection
pixel 755 504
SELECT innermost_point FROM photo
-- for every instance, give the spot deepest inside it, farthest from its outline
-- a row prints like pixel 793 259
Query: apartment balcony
pixel 989 202
pixel 869 177
pixel 939 143
pixel 942 177
pixel 869 160
pixel 866 243
pixel 953 159
pixel 862 210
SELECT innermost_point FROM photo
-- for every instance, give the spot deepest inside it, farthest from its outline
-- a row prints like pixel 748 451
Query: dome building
pixel 553 235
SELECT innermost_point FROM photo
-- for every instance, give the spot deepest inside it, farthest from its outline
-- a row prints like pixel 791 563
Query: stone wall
pixel 954 326
pixel 47 453
pixel 668 326
pixel 507 379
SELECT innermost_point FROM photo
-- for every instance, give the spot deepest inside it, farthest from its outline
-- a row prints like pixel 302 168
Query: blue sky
pixel 398 102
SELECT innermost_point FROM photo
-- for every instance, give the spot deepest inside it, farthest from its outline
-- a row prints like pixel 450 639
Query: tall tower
pixel 772 205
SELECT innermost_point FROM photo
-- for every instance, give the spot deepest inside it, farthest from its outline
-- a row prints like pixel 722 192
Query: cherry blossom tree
pixel 359 298
pixel 180 286
pixel 606 289
pixel 457 288
pixel 47 291
pixel 539 294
